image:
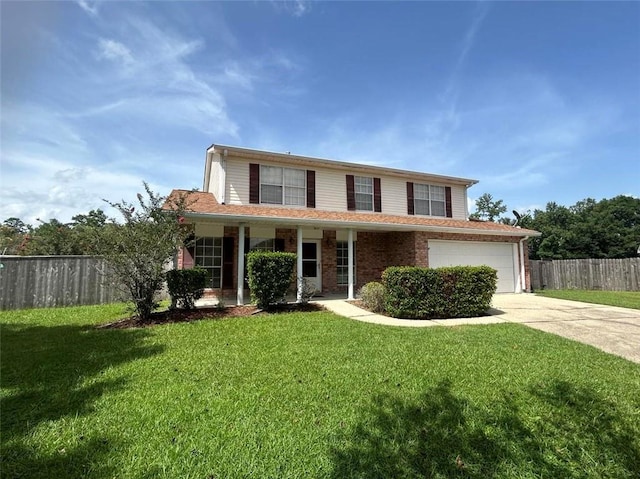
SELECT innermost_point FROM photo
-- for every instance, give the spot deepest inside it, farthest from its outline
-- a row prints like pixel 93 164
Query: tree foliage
pixel 52 237
pixel 609 228
pixel 13 235
pixel 138 249
pixel 488 209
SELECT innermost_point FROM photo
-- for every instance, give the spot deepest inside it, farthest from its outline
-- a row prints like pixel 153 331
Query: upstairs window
pixel 364 193
pixel 429 200
pixel 282 186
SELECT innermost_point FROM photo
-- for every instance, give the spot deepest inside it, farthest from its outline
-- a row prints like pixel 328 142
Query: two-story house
pixel 347 222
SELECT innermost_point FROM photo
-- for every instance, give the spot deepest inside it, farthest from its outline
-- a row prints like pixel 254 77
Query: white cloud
pixel 54 172
pixel 61 157
pixel 116 51
pixel 297 8
pixel 29 127
pixel 60 189
pixel 466 45
pixel 151 80
pixel 90 8
pixel 301 7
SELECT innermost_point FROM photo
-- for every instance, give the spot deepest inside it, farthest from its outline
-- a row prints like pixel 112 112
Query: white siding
pixel 331 189
pixel 214 176
pixel 237 182
pixel 458 209
pixel 394 196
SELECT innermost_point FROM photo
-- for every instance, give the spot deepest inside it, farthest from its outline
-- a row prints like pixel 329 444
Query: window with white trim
pixel 282 186
pixel 429 200
pixel 208 255
pixel 363 188
pixel 342 261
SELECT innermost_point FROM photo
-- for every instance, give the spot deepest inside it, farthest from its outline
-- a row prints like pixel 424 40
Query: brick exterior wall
pixel 375 251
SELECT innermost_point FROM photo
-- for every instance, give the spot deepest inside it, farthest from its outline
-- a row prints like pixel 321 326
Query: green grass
pixel 308 395
pixel 624 299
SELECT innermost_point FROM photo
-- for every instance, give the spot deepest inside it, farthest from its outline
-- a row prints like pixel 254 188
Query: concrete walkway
pixel 611 329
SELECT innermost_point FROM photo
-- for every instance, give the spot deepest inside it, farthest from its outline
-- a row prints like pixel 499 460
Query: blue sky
pixel 539 101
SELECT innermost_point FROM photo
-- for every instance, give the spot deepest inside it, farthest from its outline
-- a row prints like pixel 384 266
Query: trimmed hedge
pixel 429 293
pixel 269 276
pixel 372 295
pixel 186 286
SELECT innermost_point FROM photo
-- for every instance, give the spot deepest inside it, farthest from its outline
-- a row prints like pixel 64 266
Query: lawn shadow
pixel 49 373
pixel 444 435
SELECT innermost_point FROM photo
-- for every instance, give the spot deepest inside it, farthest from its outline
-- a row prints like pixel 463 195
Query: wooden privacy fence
pixel 594 274
pixel 48 281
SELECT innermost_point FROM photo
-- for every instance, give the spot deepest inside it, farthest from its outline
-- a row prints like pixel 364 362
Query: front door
pixel 311 264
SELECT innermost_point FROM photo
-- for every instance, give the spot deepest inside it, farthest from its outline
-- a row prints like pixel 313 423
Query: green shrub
pixel 186 286
pixel 451 292
pixel 269 276
pixel 372 295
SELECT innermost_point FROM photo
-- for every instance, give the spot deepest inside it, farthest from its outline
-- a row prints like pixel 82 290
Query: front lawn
pixel 303 395
pixel 624 299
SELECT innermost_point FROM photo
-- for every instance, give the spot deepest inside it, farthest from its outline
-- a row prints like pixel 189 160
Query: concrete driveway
pixel 614 330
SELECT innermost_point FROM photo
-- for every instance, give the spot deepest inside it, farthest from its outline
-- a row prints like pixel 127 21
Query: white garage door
pixel 500 256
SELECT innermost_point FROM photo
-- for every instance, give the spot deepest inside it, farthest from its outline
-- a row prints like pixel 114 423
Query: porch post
pixel 240 295
pixel 299 264
pixel 350 263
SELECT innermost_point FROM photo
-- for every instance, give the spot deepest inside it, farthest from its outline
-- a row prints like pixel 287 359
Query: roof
pixel 288 158
pixel 205 207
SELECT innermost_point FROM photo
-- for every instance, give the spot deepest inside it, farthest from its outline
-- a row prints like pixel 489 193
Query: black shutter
pixel 351 193
pixel 311 189
pixel 447 201
pixel 279 245
pixel 228 255
pixel 410 206
pixel 254 183
pixel 377 196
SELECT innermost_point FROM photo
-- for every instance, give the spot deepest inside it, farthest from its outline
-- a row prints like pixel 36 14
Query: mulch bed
pixel 185 316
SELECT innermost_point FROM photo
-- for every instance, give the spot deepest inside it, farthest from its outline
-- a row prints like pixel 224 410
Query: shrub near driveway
pixel 429 293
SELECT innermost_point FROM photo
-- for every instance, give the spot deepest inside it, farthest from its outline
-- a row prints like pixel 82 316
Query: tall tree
pixel 13 235
pixel 609 228
pixel 138 248
pixel 488 209
pixel 85 229
pixel 51 238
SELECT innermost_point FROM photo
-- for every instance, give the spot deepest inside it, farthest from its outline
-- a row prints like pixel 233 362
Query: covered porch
pixel 336 260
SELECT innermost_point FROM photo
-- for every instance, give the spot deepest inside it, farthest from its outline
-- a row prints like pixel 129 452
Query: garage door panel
pixel 472 253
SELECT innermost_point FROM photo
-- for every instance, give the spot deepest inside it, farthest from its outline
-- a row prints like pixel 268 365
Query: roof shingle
pixel 205 204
